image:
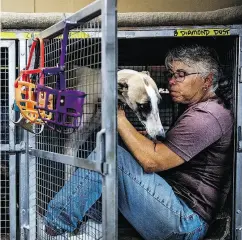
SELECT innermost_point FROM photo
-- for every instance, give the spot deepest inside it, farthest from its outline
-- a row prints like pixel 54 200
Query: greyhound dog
pixel 135 89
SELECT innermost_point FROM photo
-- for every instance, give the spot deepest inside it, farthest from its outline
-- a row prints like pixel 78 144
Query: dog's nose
pixel 160 138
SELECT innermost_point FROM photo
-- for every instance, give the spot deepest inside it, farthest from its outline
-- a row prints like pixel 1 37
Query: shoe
pixel 90 230
pixel 43 231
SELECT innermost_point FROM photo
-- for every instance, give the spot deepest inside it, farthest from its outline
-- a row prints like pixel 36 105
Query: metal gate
pixel 56 164
pixel 8 154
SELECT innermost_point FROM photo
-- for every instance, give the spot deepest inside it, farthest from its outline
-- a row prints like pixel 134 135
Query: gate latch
pixel 100 146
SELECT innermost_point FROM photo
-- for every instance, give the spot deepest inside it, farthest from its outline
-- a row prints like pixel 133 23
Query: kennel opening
pixel 148 54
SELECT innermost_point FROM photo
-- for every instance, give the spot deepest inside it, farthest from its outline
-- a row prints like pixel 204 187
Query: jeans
pixel 146 200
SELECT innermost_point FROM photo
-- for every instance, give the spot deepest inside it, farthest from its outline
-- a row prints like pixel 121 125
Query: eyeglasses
pixel 179 76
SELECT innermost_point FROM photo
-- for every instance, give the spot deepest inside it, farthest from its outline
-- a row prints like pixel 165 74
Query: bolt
pixel 238 211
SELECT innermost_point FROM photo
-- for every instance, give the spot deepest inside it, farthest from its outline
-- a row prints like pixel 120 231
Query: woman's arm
pixel 151 157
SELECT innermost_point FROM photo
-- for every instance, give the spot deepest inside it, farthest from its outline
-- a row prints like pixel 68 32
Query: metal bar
pixel 23 168
pixel 155 32
pixel 12 157
pixel 85 14
pixel 237 211
pixel 23 34
pixel 109 104
pixel 24 192
pixel 66 159
pixel 32 197
pixel 236 139
pixel 31 166
pixel 159 33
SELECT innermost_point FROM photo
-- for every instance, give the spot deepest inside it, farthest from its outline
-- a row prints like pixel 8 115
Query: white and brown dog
pixel 135 89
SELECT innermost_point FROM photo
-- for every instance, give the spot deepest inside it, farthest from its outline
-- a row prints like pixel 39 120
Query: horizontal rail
pixel 70 160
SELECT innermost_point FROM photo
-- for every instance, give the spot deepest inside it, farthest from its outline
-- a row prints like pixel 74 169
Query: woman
pixel 173 189
pixel 197 149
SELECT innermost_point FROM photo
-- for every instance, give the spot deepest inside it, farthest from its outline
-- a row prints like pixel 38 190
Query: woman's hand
pixel 121 117
pixel 121 113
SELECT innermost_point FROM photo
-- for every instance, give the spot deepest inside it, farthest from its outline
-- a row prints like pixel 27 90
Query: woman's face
pixel 187 86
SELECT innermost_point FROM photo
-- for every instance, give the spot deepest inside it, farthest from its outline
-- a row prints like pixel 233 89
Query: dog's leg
pixel 76 140
pixel 89 81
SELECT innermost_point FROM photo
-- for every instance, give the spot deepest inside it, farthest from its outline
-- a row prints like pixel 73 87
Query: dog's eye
pixel 145 107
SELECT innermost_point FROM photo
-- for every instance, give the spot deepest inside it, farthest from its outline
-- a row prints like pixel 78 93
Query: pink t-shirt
pixel 202 136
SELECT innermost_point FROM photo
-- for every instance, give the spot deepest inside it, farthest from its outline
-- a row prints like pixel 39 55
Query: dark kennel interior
pixel 149 54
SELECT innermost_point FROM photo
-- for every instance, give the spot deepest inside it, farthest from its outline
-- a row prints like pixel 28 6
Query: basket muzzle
pixel 67 108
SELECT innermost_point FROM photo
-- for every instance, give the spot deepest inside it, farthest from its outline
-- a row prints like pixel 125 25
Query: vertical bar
pixel 32 194
pixel 109 104
pixel 12 157
pixel 237 211
pixel 23 192
pixel 236 52
pixel 23 168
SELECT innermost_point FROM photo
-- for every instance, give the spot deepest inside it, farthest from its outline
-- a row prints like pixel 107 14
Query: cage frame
pixel 148 32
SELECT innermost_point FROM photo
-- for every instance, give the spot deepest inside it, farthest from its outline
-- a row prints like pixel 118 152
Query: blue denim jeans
pixel 146 200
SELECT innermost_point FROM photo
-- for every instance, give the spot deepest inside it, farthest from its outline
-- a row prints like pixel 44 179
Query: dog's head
pixel 139 91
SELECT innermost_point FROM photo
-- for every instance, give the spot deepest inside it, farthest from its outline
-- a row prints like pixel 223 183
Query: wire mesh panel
pixel 4 118
pixel 7 161
pixel 83 64
pixel 65 183
pixel 4 96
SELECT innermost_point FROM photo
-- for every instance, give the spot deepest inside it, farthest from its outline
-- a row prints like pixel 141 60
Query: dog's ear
pixel 122 85
pixel 146 72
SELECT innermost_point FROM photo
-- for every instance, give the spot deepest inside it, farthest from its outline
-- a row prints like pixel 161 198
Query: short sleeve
pixel 193 133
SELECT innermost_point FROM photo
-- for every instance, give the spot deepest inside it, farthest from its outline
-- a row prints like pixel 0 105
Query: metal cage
pixel 51 159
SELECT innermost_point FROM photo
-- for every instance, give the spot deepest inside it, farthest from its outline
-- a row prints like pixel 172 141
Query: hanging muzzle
pixel 25 88
pixel 68 104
